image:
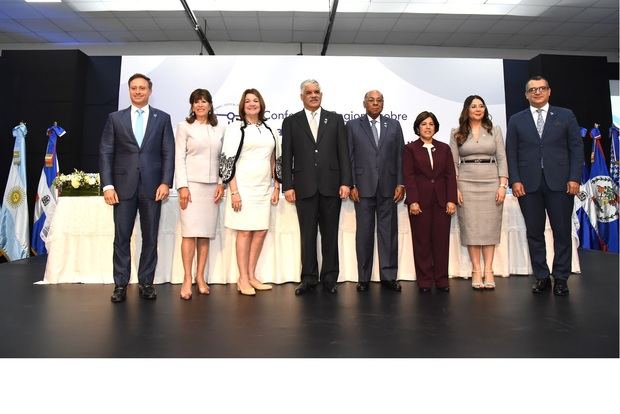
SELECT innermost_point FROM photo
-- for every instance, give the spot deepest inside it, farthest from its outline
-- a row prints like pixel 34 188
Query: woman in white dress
pixel 247 164
pixel 198 145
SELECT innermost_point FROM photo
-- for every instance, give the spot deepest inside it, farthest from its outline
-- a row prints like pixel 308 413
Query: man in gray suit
pixel 375 148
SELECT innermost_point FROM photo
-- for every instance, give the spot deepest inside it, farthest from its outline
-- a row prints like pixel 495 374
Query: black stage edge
pixel 78 320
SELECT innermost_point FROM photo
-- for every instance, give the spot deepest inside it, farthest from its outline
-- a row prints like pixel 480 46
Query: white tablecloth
pixel 82 232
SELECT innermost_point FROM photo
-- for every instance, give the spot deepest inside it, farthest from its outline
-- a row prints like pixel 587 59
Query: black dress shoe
pixel 445 289
pixel 330 288
pixel 147 291
pixel 424 289
pixel 560 287
pixel 542 285
pixel 391 285
pixel 119 294
pixel 363 286
pixel 303 287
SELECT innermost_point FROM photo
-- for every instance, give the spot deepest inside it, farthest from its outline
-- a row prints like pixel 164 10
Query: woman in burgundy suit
pixel 430 182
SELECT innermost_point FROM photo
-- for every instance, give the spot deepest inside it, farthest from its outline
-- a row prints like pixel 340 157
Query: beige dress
pixel 480 218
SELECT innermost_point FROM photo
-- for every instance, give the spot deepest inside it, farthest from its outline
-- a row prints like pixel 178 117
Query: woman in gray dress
pixel 482 176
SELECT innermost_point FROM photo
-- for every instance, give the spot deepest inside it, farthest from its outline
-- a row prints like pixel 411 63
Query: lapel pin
pixel 325 121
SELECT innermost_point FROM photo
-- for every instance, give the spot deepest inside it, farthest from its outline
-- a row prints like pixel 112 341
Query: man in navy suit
pixel 136 163
pixel 316 176
pixel 545 155
pixel 376 147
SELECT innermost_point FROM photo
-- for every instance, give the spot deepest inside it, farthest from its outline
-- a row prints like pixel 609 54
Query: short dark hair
pixel 196 96
pixel 536 78
pixel 139 75
pixel 421 117
pixel 261 113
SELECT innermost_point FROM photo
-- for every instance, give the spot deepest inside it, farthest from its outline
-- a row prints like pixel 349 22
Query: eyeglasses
pixel 538 89
pixel 371 100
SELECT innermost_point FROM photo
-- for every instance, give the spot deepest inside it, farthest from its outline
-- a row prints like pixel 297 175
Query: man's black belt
pixel 478 161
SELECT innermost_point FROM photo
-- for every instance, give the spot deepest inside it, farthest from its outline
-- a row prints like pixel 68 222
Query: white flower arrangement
pixel 77 182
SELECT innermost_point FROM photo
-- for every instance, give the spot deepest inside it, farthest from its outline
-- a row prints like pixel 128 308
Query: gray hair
pixel 308 82
pixel 371 91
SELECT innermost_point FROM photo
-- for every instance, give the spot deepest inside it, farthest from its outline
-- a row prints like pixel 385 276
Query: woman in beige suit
pixel 198 147
pixel 482 175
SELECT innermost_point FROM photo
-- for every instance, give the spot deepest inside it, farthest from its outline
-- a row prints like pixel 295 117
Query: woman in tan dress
pixel 198 144
pixel 482 176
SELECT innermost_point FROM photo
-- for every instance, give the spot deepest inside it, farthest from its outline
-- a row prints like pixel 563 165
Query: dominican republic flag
pixel 45 201
pixel 614 158
pixel 602 191
pixel 14 240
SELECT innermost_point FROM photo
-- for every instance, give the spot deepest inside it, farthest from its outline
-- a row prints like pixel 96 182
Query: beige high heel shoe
pixel 247 291
pixel 203 290
pixel 186 295
pixel 258 285
pixel 476 285
pixel 489 284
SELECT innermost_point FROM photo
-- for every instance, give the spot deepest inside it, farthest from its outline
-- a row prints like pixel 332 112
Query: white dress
pixel 253 174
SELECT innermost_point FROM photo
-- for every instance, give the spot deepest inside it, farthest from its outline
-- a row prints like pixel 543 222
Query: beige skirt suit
pixel 197 153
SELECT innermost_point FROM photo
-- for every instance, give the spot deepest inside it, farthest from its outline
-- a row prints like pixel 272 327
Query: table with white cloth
pixel 80 245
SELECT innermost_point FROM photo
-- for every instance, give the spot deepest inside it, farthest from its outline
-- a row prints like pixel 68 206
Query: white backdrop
pixel 409 85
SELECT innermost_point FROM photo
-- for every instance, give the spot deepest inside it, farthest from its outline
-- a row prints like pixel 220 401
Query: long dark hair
pixel 261 113
pixel 196 96
pixel 464 128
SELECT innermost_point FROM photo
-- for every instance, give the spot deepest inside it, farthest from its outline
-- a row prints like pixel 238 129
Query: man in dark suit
pixel 545 155
pixel 376 147
pixel 137 166
pixel 316 176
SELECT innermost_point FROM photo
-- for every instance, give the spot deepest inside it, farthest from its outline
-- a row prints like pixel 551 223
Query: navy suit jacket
pixel 422 181
pixel 376 170
pixel 560 148
pixel 130 168
pixel 309 166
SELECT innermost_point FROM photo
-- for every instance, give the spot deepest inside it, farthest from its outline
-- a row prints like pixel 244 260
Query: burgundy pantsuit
pixel 432 188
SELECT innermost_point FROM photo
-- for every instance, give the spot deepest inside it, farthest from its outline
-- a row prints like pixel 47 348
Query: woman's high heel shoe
pixel 204 290
pixel 476 285
pixel 186 295
pixel 258 285
pixel 246 291
pixel 489 284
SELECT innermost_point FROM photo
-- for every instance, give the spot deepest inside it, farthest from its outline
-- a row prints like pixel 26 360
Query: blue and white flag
pixel 601 189
pixel 585 211
pixel 614 158
pixel 14 243
pixel 45 201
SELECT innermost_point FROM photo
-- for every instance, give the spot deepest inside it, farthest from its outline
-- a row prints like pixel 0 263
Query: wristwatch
pixel 505 186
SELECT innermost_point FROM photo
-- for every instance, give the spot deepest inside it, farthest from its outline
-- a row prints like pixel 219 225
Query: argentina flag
pixel 45 201
pixel 14 212
pixel 601 189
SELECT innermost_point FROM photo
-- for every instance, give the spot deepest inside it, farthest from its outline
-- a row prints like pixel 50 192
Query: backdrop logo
pixel 227 111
